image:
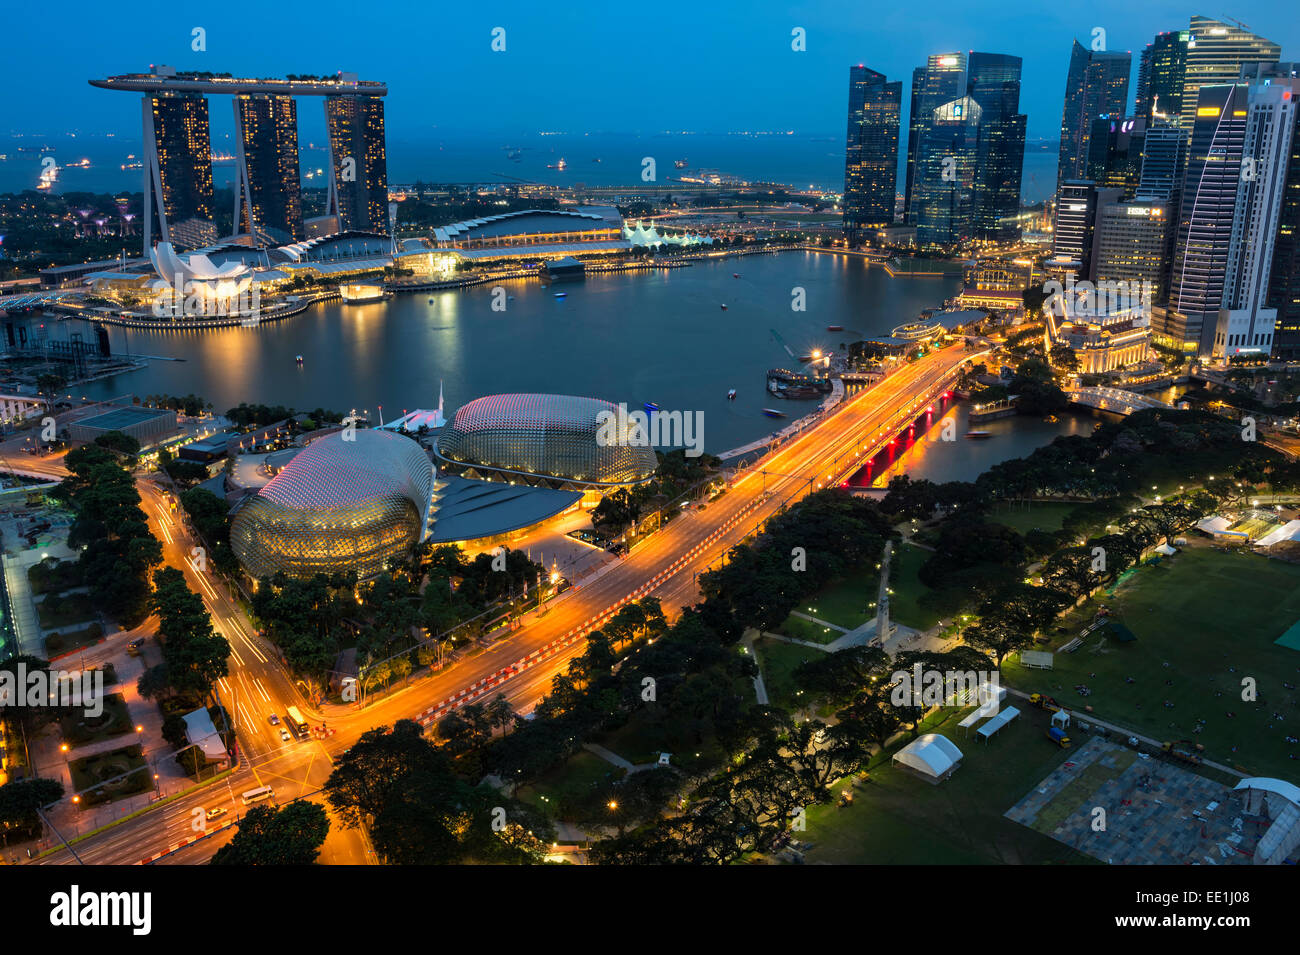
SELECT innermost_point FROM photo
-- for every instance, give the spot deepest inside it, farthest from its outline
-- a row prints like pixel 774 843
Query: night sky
pixel 574 66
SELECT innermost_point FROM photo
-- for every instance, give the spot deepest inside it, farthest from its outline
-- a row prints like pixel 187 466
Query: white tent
pixel 932 757
pixel 1287 532
pixel 999 721
pixel 1166 550
pixel 1062 717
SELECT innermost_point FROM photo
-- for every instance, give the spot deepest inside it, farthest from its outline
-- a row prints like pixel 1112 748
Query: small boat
pixel 430 301
pixel 724 308
pixel 835 328
pixel 561 294
pixel 773 413
pixel 731 395
pixel 680 163
pixel 979 434
pixel 298 359
pixel 735 275
pixel 1051 419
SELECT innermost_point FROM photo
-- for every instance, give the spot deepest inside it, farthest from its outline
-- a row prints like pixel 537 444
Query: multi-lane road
pixel 520 666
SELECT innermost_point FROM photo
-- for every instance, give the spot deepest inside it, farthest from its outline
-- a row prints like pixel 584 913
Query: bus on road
pixel 258 794
pixel 297 725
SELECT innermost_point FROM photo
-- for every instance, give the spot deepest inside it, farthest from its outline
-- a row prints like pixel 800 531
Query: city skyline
pixel 691 75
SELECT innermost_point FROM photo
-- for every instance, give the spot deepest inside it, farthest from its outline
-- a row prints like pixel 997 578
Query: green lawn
pixel 568 781
pixel 906 603
pixel 778 660
pixel 898 818
pixel 1043 516
pixel 1212 617
pixel 802 629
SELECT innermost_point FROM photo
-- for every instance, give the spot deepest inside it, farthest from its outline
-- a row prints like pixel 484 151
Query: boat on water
pixel 835 328
pixel 1051 419
pixel 979 434
pixel 680 163
pixel 724 308
pixel 561 294
pixel 297 359
pixel 773 413
pixel 735 275
pixel 561 165
pixel 731 394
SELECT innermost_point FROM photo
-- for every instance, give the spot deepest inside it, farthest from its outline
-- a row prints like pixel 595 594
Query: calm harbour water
pixel 627 337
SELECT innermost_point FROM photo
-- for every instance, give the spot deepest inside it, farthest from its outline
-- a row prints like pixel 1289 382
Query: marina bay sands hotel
pixel 178 193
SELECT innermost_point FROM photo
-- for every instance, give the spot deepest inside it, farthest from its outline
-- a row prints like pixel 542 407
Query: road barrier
pixel 177 846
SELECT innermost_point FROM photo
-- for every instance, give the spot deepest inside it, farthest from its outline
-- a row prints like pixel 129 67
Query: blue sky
pixel 578 65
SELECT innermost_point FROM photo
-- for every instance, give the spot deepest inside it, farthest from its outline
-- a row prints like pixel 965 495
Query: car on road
pixel 284 735
pixel 274 719
pixel 216 813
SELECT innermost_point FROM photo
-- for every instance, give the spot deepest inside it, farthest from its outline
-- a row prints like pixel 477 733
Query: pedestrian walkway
pixel 760 688
pixel 818 621
pixel 616 760
pixel 27 629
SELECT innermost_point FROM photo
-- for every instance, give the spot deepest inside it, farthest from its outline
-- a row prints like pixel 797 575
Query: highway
pixel 664 566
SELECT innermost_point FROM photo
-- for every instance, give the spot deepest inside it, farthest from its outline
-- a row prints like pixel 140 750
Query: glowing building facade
pixel 350 501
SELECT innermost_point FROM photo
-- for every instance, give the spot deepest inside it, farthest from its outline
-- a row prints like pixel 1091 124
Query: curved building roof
pixel 543 435
pixel 349 501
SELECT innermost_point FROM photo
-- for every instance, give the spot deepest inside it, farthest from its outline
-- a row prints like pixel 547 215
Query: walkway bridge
pixel 1115 400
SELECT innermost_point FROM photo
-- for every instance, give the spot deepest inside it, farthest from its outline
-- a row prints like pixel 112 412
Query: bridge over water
pixel 1115 400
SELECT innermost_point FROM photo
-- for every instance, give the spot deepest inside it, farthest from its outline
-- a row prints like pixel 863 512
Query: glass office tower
pixel 1095 85
pixel 871 151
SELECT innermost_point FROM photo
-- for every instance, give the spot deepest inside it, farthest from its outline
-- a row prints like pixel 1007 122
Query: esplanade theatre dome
pixel 349 501
pixel 540 439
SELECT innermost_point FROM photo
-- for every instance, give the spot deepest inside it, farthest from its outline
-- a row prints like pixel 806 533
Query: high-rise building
pixel 941 80
pixel 1077 204
pixel 359 168
pixel 1205 220
pixel 178 201
pixel 1216 52
pixel 1131 245
pixel 1096 85
pixel 1164 154
pixel 268 197
pixel 1115 152
pixel 1246 322
pixel 993 82
pixel 1284 277
pixel 1161 71
pixel 871 151
pixel 943 190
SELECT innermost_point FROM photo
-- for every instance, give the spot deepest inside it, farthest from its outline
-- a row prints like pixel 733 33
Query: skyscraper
pixel 1096 85
pixel 1131 244
pixel 871 151
pixel 178 200
pixel 1115 152
pixel 1284 277
pixel 1164 153
pixel 1161 72
pixel 359 168
pixel 993 82
pixel 268 190
pixel 1208 202
pixel 941 80
pixel 1216 52
pixel 943 191
pixel 1245 321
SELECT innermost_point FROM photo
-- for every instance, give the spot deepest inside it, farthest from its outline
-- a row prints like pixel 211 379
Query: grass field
pixel 850 602
pixel 1205 621
pixel 898 818
pixel 778 661
pixel 1044 516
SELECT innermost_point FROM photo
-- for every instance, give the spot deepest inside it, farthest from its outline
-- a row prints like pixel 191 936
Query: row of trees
pixel 118 552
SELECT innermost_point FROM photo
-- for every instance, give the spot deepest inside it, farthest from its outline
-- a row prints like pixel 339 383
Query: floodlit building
pixel 543 440
pixel 871 151
pixel 352 500
pixel 1095 85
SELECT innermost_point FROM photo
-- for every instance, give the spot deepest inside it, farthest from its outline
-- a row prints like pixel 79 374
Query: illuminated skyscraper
pixel 359 168
pixel 1115 152
pixel 1161 72
pixel 993 81
pixel 1216 52
pixel 178 200
pixel 1164 154
pixel 871 150
pixel 944 188
pixel 1284 278
pixel 941 80
pixel 266 129
pixel 1096 85
pixel 1204 230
